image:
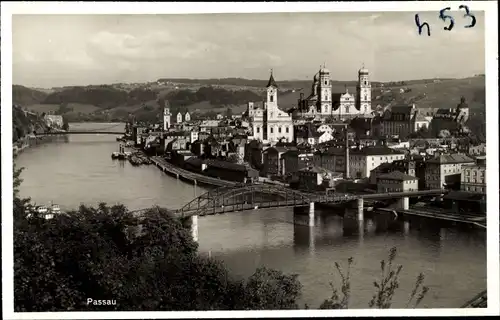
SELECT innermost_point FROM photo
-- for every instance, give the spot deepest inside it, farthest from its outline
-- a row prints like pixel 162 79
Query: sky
pixel 63 50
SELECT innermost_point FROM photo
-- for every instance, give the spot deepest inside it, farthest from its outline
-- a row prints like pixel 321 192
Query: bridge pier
pixel 361 215
pixel 404 203
pixel 311 214
pixel 361 230
pixel 194 227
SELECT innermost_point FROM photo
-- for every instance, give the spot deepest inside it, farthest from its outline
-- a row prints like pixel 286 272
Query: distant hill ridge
pixel 201 95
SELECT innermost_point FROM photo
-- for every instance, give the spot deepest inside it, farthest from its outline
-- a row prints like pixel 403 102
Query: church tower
pixel 166 117
pixel 272 93
pixel 325 92
pixel 363 92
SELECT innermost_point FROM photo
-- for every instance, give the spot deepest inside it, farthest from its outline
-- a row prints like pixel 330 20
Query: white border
pixel 491 50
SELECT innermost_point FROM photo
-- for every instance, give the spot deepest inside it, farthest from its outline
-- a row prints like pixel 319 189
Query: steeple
pixel 272 82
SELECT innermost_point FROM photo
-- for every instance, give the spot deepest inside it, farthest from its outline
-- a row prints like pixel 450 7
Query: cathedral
pixel 269 123
pixel 322 103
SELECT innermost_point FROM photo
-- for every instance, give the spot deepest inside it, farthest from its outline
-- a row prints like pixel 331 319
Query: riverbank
pixel 32 141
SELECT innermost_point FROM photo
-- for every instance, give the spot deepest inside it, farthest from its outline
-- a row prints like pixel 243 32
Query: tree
pixel 385 287
pixel 17 178
pixel 143 263
pixel 269 289
pixel 65 124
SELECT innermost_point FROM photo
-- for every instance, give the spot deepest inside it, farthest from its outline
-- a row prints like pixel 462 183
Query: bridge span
pixel 80 132
pixel 258 196
pixel 106 129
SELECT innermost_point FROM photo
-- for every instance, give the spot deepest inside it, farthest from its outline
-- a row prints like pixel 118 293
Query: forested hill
pixel 26 96
pixel 107 97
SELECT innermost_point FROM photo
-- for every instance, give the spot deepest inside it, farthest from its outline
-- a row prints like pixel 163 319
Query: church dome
pixel 363 71
pixel 324 71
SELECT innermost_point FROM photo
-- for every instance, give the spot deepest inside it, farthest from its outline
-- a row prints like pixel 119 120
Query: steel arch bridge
pixel 244 197
pixel 102 130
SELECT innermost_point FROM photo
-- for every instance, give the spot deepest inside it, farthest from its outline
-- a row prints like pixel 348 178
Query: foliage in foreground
pixel 107 253
pixel 385 287
pixel 147 263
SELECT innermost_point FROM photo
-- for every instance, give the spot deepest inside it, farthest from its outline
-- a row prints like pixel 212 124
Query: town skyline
pixel 93 49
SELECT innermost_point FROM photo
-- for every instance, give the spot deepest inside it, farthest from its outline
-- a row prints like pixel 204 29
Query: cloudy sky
pixel 58 50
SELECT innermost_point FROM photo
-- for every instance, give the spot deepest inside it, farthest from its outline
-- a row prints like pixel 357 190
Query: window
pixel 366 83
pixel 287 130
pixel 326 82
pixel 271 97
pixel 366 97
pixel 347 109
pixel 279 129
pixel 271 129
pixel 258 129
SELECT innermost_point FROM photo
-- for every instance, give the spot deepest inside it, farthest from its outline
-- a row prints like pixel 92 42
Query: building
pixel 167 116
pixel 398 121
pixel 422 122
pixel 194 135
pixel 476 150
pixel 322 102
pixel 332 159
pixel 450 119
pixel 307 134
pixel 445 170
pixel 294 160
pixel 473 177
pixel 314 178
pixel 325 128
pixel 325 137
pixel 271 160
pixel 207 125
pixel 54 121
pixel 253 153
pixel 187 117
pixel 396 181
pixel 179 117
pixel 363 160
pixel 229 171
pixel 412 165
pixel 269 123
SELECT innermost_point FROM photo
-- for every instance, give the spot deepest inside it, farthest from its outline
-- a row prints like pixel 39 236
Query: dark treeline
pixel 100 96
pixel 216 96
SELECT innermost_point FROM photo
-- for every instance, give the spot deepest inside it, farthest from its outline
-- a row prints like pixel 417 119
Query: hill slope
pixel 26 96
pixel 95 103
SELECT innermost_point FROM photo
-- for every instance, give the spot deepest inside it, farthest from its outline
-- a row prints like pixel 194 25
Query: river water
pixel 80 170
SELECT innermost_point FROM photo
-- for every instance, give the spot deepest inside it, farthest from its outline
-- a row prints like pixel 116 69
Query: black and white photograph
pixel 313 159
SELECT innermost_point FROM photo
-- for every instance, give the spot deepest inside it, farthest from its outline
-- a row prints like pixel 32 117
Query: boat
pixel 121 154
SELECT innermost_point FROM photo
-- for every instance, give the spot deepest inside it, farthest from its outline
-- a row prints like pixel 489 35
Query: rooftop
pixel 451 158
pixel 375 151
pixel 225 165
pixel 397 175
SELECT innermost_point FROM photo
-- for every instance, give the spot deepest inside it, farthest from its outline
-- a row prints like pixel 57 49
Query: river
pixel 80 170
